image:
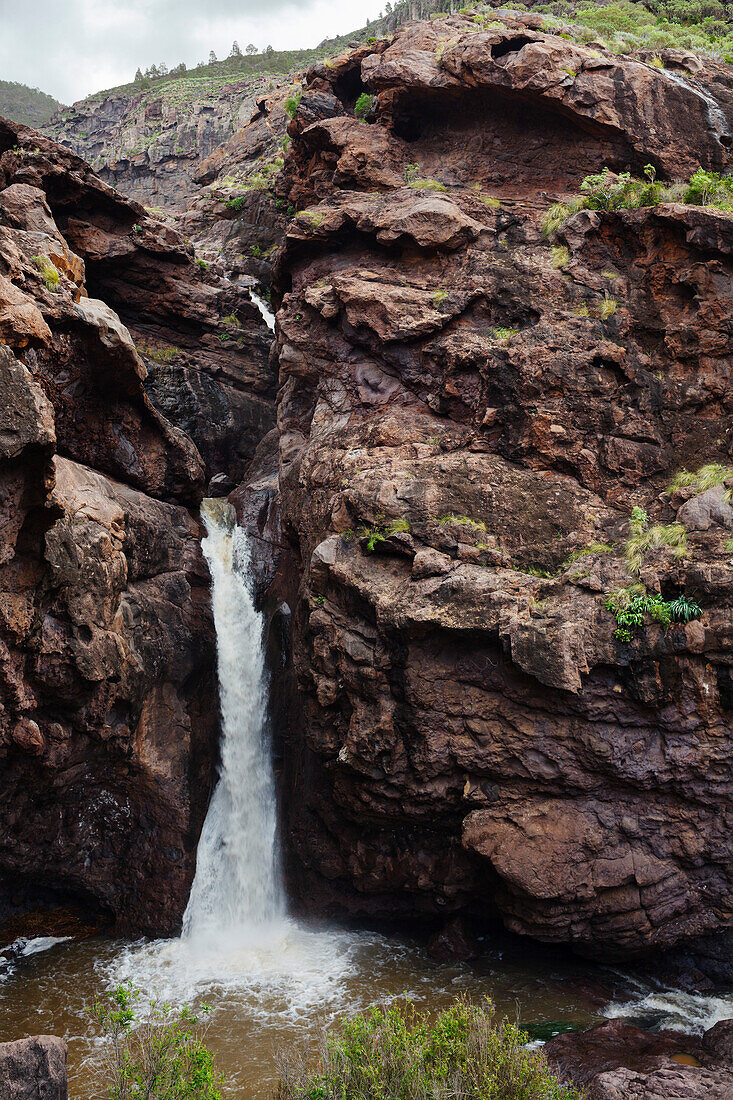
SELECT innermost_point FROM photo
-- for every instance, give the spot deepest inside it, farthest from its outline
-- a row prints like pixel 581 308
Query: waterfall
pixel 236 889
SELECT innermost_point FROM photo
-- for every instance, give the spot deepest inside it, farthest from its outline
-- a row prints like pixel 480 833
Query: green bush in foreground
pixel 400 1053
pixel 154 1054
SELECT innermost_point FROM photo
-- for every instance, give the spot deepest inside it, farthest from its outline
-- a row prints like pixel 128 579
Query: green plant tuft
pixel 707 477
pixel 48 272
pixel 644 538
pixel 559 256
pixel 291 103
pixel 156 1053
pixel 426 184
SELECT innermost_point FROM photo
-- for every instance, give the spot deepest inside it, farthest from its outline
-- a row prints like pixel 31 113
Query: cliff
pixel 108 735
pixel 478 422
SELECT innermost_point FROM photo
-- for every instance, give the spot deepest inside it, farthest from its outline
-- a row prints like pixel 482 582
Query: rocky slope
pixel 148 142
pixel 468 413
pixel 107 730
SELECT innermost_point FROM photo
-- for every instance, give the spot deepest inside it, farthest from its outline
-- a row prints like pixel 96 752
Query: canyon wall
pixel 108 729
pixel 468 413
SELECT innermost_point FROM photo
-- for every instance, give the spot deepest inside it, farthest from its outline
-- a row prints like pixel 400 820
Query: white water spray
pixel 237 890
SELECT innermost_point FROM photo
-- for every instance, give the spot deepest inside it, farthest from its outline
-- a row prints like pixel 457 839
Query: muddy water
pixel 269 994
pixel 266 996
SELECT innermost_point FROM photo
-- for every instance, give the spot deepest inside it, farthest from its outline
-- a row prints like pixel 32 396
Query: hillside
pixel 27 105
pixel 148 136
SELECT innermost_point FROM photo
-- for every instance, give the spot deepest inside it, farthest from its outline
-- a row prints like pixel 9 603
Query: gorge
pixel 457 535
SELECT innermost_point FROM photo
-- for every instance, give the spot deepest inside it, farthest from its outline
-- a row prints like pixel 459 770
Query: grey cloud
pixel 70 48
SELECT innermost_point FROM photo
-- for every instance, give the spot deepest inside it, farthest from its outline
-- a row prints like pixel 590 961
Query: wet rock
pixel 33 1069
pixel 616 1061
pixel 454 943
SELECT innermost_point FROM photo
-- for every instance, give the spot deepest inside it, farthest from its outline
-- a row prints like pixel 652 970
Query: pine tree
pixel 212 58
pixel 251 49
pixel 139 76
pixel 235 50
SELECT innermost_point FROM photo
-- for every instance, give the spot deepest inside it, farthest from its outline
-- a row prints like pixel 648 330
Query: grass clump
pixel 397 1052
pixel 363 105
pixel 504 335
pixel 421 184
pixel 558 214
pixel 161 353
pixel 559 256
pixel 707 477
pixel 291 103
pixel 586 551
pixel 644 538
pixel 48 272
pixel 607 307
pixel 461 521
pixel 157 1053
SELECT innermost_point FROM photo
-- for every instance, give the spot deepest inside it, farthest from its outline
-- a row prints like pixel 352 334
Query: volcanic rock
pixel 468 412
pixel 33 1069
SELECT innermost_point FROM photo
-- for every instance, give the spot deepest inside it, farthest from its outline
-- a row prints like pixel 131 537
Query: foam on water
pixel 675 1009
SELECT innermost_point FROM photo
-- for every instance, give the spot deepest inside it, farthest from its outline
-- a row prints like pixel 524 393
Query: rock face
pixel 148 142
pixel 468 413
pixel 617 1062
pixel 33 1069
pixel 107 730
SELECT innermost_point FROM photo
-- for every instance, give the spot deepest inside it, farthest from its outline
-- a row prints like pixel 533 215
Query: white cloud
pixel 70 48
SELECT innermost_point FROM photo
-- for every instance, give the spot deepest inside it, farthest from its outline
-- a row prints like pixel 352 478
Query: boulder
pixel 33 1069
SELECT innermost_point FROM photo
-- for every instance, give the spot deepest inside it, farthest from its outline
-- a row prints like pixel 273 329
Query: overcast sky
pixel 70 48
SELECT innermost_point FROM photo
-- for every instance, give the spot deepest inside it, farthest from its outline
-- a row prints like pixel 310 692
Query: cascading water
pixel 237 887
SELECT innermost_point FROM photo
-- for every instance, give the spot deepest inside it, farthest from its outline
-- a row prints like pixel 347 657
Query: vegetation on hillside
pixel 400 1053
pixel 609 190
pixel 27 105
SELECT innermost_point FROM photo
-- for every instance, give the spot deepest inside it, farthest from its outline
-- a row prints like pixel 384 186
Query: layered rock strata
pixel 468 413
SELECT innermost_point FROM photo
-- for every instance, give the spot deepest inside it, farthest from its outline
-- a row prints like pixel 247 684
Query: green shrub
pixel 156 1054
pixel 609 191
pixel 631 605
pixel 363 105
pixel 710 189
pixel 291 103
pixel 607 307
pixel 48 272
pixel 397 1052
